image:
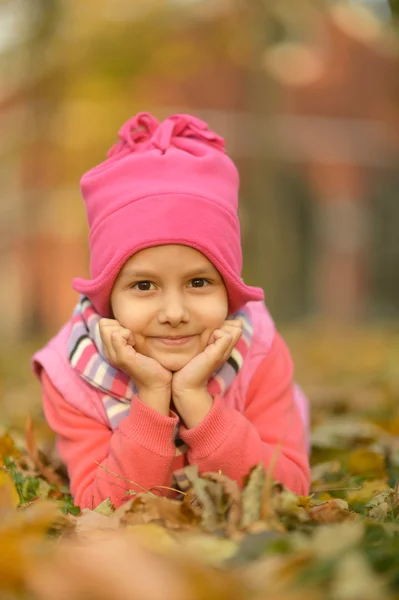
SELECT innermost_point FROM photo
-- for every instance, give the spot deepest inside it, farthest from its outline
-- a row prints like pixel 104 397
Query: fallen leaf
pixel 153 537
pixel 380 512
pixel 208 548
pixel 105 508
pixel 7 448
pixel 333 511
pixel 363 461
pixel 252 496
pixel 9 497
pixel 209 516
pixel 48 473
pixel 147 508
pixel 354 579
pixel 115 567
pixel 233 493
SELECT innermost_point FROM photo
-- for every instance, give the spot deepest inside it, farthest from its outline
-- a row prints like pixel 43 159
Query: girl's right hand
pixel 152 380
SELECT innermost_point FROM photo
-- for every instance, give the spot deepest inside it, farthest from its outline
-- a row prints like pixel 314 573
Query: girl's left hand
pixel 194 376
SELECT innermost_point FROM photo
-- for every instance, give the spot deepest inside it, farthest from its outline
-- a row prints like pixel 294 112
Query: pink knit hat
pixel 163 183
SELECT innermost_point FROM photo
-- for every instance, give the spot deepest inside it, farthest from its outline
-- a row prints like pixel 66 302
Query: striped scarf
pixel 86 356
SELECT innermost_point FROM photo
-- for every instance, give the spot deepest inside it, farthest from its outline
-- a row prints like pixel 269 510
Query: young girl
pixel 169 358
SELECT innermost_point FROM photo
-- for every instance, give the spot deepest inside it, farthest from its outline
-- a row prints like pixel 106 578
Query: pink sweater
pixel 140 453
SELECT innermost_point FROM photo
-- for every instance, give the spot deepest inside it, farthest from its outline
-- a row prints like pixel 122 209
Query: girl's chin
pixel 173 363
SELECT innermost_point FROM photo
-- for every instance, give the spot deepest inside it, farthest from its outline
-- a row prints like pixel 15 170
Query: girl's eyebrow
pixel 148 273
pixel 199 272
pixel 137 273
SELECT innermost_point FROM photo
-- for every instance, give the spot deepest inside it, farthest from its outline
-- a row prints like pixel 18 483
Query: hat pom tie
pixel 145 128
pixel 135 131
pixel 184 126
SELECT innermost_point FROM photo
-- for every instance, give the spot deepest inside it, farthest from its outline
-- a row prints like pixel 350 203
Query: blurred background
pixel 306 94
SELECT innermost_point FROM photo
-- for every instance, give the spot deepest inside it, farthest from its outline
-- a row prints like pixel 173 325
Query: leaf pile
pixel 220 542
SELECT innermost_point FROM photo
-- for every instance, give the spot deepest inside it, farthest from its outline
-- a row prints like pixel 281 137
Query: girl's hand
pixel 152 380
pixel 194 376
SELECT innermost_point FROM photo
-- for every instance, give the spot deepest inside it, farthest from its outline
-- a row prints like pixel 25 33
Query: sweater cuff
pixel 212 432
pixel 149 428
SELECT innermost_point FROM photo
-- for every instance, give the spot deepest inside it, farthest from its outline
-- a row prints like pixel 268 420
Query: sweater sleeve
pixel 270 431
pixel 106 464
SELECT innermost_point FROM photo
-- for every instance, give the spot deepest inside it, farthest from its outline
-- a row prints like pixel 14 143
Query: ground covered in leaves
pixel 263 542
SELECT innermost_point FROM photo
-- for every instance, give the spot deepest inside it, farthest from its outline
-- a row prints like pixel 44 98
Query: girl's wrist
pixel 156 398
pixel 193 406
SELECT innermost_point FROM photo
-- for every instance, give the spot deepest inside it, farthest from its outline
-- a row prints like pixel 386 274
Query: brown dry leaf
pixel 273 577
pixel 232 491
pixel 153 537
pixel 252 496
pixel 207 583
pixel 395 499
pixel 116 567
pixel 91 523
pixel 380 512
pixel 363 461
pixel 48 472
pixel 146 508
pixel 287 503
pixel 22 537
pixel 38 517
pixel 333 511
pixel 209 516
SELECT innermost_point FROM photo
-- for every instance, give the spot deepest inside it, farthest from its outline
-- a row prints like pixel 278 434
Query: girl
pixel 169 358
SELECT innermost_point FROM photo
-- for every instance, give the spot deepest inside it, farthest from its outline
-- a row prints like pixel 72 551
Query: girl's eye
pixel 199 282
pixel 143 286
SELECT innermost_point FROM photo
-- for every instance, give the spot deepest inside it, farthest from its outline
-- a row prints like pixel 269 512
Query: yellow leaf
pixel 152 536
pixel 9 497
pixel 366 462
pixel 369 489
pixel 208 548
pixel 7 448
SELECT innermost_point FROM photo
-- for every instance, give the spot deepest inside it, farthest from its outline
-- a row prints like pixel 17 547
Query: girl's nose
pixel 174 310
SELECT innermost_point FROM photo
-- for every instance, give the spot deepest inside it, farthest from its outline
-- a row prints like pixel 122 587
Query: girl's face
pixel 171 298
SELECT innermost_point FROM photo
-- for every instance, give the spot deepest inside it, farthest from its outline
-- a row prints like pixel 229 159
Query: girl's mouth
pixel 174 341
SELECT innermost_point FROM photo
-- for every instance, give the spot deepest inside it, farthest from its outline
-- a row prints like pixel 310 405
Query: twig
pixel 171 489
pixel 325 488
pixel 124 478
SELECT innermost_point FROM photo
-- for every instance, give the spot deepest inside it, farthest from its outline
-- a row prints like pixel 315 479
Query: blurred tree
pixel 395 7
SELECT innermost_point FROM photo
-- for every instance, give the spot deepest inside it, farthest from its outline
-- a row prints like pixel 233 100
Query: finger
pixel 223 340
pixel 233 322
pixel 110 335
pixel 235 334
pixel 234 330
pixel 105 323
pixel 109 351
pixel 127 335
pixel 230 326
pixel 122 349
